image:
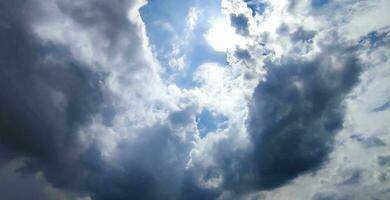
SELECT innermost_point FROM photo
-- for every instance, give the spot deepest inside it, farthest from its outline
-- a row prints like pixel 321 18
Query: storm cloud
pixel 90 110
pixel 294 116
pixel 296 113
pixel 48 97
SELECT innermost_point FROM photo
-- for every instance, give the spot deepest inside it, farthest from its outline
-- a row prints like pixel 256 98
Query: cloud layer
pixel 94 106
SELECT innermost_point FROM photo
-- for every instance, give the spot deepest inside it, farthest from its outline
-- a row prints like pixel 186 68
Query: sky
pixel 196 99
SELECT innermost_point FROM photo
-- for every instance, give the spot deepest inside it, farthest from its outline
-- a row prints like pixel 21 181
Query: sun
pixel 222 37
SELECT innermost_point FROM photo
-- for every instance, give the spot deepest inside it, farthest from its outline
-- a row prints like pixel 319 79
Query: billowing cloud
pixel 128 99
pixel 47 96
pixel 63 99
pixel 300 105
pixel 296 113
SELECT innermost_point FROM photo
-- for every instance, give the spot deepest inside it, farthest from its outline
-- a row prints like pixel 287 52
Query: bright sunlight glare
pixel 222 37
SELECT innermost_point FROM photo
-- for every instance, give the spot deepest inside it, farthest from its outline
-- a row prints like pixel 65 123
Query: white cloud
pixel 133 86
pixel 192 18
pixel 347 23
pixel 149 111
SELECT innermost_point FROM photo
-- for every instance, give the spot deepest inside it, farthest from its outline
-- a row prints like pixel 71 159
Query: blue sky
pixel 197 99
pixel 168 31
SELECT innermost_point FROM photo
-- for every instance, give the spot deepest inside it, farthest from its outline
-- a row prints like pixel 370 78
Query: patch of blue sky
pixel 383 107
pixel 208 121
pixel 257 7
pixel 376 38
pixel 318 3
pixel 161 22
pixel 174 43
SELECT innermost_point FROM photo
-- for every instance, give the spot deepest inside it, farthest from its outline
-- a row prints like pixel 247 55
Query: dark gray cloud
pixel 369 142
pixel 150 167
pixel 296 113
pixel 48 96
pixel 383 107
pixel 352 176
pixel 373 141
pixel 240 22
pixel 292 4
pixel 182 117
pixel 283 29
pixel 294 117
pixel 331 196
pixel 242 54
pixel 384 160
pixel 302 35
pixel 190 189
pixel 28 186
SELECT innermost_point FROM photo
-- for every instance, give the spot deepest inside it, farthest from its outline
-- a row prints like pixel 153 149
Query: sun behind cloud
pixel 222 36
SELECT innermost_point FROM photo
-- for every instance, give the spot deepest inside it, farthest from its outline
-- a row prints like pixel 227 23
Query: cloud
pixel 331 196
pixel 353 176
pixel 192 18
pixel 301 107
pixel 142 168
pixel 294 116
pixel 384 160
pixel 369 142
pixel 72 114
pixel 383 107
pixel 47 95
pixel 87 112
pixel 240 22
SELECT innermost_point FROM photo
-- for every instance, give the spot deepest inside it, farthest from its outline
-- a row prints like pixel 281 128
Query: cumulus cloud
pixel 299 109
pixel 296 113
pixel 72 101
pixel 47 97
pixel 240 22
pixel 302 102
